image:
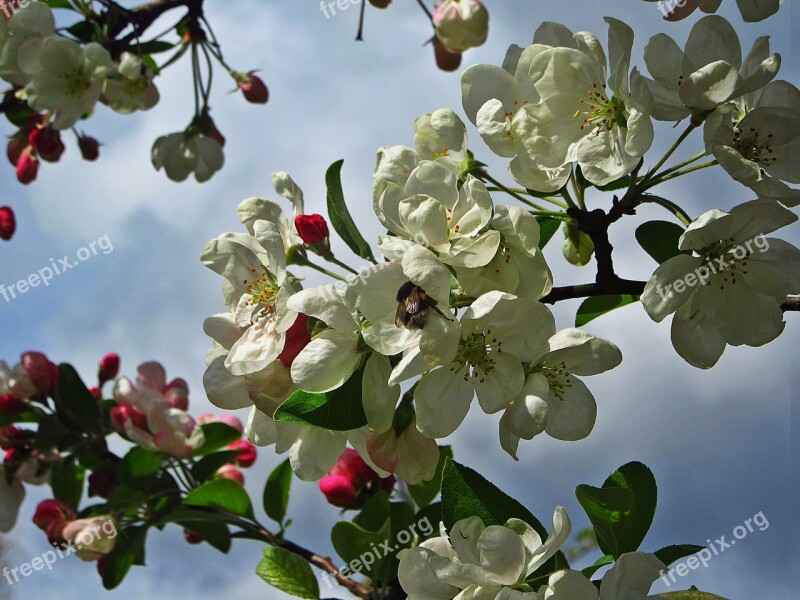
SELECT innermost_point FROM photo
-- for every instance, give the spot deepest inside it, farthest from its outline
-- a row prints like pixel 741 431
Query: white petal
pixel 442 399
pixel 326 362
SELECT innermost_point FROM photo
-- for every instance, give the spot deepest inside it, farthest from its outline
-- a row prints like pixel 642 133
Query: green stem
pixel 426 9
pixel 578 191
pixel 680 165
pixel 692 126
pixel 674 174
pixel 336 261
pixel 323 270
pixel 549 199
pixel 509 191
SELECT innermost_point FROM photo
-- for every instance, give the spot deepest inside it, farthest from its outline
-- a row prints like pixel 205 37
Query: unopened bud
pixel 253 88
pixel 8 223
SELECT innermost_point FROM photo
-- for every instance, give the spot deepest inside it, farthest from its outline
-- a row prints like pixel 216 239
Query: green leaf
pixel 547 229
pixel 692 594
pixel 139 468
pixel 670 554
pixel 276 492
pixel 465 494
pixel 622 183
pixel 431 514
pixel 622 510
pixel 352 541
pixel 598 564
pixel 75 404
pixel 597 306
pixel 217 435
pixel 67 481
pixel 660 239
pixel 58 3
pixel 154 47
pixel 425 492
pixel 289 573
pixel 84 31
pixel 129 550
pixel 340 216
pixel 578 247
pixel 207 466
pixel 338 410
pixel 222 494
pixel 374 513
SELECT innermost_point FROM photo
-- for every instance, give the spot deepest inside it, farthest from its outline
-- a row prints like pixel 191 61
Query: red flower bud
pixel 247 453
pixel 312 229
pixel 102 483
pixel 17 144
pixel 27 167
pixel 8 223
pixel 254 89
pixel 52 516
pixel 232 473
pixel 108 367
pixel 445 59
pixel 297 338
pixel 11 405
pixel 47 143
pixel 192 538
pixel 90 148
pixel 42 373
pixel 380 3
pixel 339 490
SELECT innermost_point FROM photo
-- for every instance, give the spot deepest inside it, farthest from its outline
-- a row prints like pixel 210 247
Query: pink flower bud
pixel 52 516
pixel 461 24
pixel 229 420
pixel 47 143
pixel 93 538
pixel 27 167
pixel 297 338
pixel 11 405
pixel 312 229
pixel 8 223
pixel 90 148
pixel 254 89
pixel 108 367
pixel 352 481
pixel 123 414
pixel 232 473
pixel 247 453
pixel 42 373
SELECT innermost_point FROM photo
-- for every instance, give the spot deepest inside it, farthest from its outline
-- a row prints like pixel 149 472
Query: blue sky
pixel 719 441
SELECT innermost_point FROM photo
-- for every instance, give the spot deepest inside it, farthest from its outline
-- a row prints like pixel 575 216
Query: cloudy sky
pixel 718 441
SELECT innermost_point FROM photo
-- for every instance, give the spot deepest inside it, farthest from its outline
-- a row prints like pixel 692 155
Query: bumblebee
pixel 414 306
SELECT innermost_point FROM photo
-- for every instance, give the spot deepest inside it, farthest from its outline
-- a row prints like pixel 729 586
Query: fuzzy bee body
pixel 414 306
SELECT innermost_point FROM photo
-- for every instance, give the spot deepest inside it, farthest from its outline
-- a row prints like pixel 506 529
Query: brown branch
pixel 616 286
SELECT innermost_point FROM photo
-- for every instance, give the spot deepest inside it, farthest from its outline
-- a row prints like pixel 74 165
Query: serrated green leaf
pixel 289 573
pixel 547 229
pixel 216 535
pixel 222 494
pixel 75 404
pixel 670 554
pixel 207 466
pixel 607 510
pixel 84 31
pixel 598 564
pixel 139 468
pixel 425 492
pixel 154 47
pixel 338 410
pixel 58 3
pixel 660 239
pixel 352 541
pixel 276 492
pixel 340 216
pixel 597 306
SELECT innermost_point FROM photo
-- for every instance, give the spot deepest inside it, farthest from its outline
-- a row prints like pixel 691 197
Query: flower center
pixel 263 289
pixel 748 144
pixel 602 113
pixel 727 260
pixel 558 378
pixel 474 355
pixel 77 82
